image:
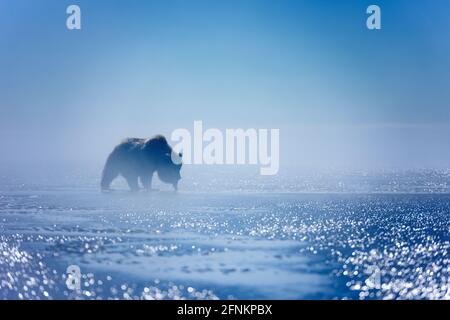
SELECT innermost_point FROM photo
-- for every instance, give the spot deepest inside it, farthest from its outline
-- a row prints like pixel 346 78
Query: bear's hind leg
pixel 146 180
pixel 132 181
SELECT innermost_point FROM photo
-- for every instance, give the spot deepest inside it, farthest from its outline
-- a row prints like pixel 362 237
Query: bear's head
pixel 169 170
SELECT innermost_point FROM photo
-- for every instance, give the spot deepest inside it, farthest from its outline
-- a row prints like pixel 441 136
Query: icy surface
pixel 209 245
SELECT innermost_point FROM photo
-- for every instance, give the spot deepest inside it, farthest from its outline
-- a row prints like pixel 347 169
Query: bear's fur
pixel 136 158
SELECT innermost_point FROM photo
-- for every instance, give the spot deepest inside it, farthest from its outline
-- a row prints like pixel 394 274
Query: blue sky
pixel 342 95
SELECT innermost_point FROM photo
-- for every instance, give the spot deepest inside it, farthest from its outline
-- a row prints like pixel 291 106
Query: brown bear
pixel 136 158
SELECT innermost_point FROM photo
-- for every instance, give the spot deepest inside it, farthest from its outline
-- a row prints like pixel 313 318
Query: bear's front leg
pixel 109 173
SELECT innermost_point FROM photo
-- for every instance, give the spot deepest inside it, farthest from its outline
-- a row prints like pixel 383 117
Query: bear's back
pixel 158 144
pixel 153 147
pixel 134 141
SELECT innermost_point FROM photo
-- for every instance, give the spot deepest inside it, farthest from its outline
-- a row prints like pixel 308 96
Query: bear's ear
pixel 180 154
